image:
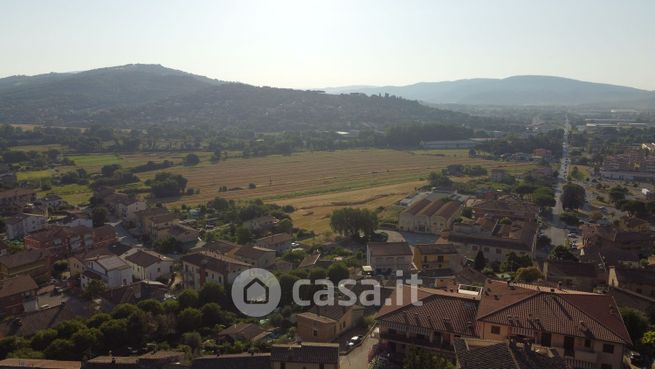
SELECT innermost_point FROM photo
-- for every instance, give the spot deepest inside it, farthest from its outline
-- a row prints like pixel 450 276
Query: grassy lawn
pixel 39 148
pixel 34 175
pixel 72 193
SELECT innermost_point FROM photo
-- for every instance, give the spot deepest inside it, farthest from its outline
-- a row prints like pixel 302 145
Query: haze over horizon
pixel 327 44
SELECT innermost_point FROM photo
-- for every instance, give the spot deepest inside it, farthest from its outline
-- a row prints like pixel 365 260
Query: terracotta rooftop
pixel 505 355
pixel 233 361
pixel 634 275
pixel 16 285
pixel 39 364
pixel 389 248
pixel 24 257
pixel 307 352
pixel 213 261
pixel 554 310
pixel 416 207
pixel 436 249
pixel 146 258
pixel 441 310
pixel 431 208
pixel 571 269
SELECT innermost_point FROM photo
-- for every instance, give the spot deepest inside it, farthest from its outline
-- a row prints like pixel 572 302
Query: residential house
pixel 143 218
pixel 256 256
pixel 307 355
pixel 18 295
pixel 634 224
pixel 246 332
pixel 632 165
pixel 113 271
pixel 586 329
pixel 180 232
pixel 542 172
pixel 610 235
pixel 389 257
pixel 152 360
pixel 35 263
pixel 233 361
pixel 15 363
pixel 474 353
pixel 542 153
pixel 639 280
pixel 53 201
pixel 437 256
pixel 124 206
pixel 13 200
pixel 149 265
pixel 434 324
pixel 218 246
pixel 429 216
pixel 78 263
pixel 204 266
pixel 61 241
pixel 572 275
pixel 260 224
pixel 280 242
pixel 157 227
pixel 75 218
pixel 605 255
pixel 495 238
pixel 310 261
pixel 21 224
pixel 327 323
pixel 104 236
pixel 505 207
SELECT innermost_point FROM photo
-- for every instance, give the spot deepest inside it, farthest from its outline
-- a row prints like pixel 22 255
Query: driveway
pixel 358 357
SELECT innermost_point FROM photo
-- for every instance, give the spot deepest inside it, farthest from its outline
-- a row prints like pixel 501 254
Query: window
pixel 499 251
pixel 315 332
pixel 587 343
pixel 608 348
pixel 283 365
pixel 495 329
pixel 440 258
pixel 605 366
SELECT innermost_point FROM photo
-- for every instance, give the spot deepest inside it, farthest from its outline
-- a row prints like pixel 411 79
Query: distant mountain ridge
pixel 140 94
pixel 515 90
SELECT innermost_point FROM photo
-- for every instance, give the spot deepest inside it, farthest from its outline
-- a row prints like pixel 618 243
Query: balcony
pixel 444 347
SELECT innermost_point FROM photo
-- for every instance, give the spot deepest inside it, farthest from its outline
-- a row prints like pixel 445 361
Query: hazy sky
pixel 306 44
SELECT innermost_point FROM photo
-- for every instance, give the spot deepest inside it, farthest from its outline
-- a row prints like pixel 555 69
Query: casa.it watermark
pixel 257 292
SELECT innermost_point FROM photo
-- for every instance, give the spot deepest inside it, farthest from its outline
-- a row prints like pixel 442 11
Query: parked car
pixel 354 341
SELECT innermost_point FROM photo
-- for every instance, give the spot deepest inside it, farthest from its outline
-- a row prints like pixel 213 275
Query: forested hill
pixel 142 95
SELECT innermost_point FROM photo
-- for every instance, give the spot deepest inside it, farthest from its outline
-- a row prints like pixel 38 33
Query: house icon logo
pixel 256 292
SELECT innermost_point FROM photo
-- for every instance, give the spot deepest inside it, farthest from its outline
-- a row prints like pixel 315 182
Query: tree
pixel 617 194
pixel 439 180
pixel 338 272
pixel 67 328
pixel 193 340
pixel 189 319
pixel 188 298
pixel 212 292
pixel 544 197
pixel 636 323
pixel 352 222
pixel 42 338
pixel 513 262
pixel 562 253
pixel 528 275
pixel 243 235
pixel 99 216
pixel 151 306
pixel 61 349
pixel 418 358
pixel 635 208
pixel 108 170
pixel 467 212
pixel 480 262
pixel 96 320
pixel 573 196
pixel 191 159
pixel 167 184
pixel 114 333
pixel 87 340
pixel 122 311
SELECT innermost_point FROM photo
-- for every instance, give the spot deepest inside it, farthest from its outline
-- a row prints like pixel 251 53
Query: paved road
pixel 358 358
pixel 556 231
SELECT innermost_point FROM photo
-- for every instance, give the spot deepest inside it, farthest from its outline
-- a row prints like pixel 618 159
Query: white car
pixel 354 341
